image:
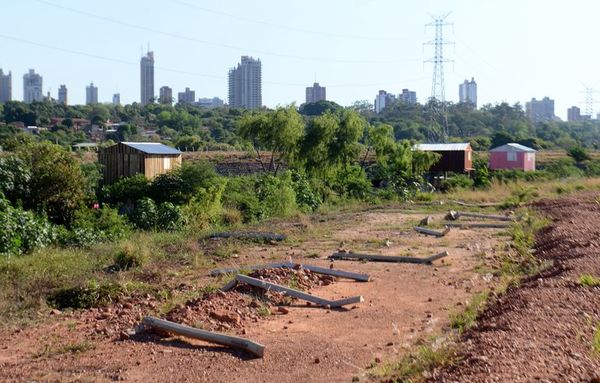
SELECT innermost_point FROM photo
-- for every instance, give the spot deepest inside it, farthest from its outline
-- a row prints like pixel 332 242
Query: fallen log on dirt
pixel 486 216
pixel 298 294
pixel 387 258
pixel 469 225
pixel 209 336
pixel 291 265
pixel 249 235
pixel 435 233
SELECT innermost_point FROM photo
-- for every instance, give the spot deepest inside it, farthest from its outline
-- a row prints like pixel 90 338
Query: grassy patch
pixel 51 350
pixel 588 281
pixel 464 320
pixel 596 341
pixel 93 294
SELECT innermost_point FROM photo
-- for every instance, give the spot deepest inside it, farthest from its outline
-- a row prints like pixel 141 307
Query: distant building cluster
pixel 384 99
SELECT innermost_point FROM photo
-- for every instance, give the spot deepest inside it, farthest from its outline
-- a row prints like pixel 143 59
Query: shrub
pixel 129 189
pixel 457 181
pixel 276 195
pixel 22 231
pixel 563 168
pixel 180 185
pixel 91 295
pixel 352 182
pixel 240 194
pixel 92 226
pixel 148 216
pixel 579 154
pixel 169 217
pixel 306 198
pixel 128 258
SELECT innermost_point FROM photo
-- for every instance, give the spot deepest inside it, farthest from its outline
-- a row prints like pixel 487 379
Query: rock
pixel 317 360
pixel 452 215
pixel 55 312
pixel 283 310
pixel 426 221
pixel 226 316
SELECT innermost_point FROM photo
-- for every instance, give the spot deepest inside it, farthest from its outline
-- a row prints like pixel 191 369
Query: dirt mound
pixel 233 309
pixel 543 330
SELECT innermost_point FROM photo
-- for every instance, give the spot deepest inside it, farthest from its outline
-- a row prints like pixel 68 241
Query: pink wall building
pixel 512 156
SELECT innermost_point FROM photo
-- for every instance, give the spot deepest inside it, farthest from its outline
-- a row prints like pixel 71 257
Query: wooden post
pixel 435 233
pixel 387 258
pixel 209 336
pixel 297 294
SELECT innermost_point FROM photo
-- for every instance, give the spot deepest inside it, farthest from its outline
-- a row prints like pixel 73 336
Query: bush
pixel 579 154
pixel 352 182
pixel 128 258
pixel 240 194
pixel 457 181
pixel 306 198
pixel 148 216
pixel 22 231
pixel 92 226
pixel 276 195
pixel 563 168
pixel 127 190
pixel 91 295
pixel 180 185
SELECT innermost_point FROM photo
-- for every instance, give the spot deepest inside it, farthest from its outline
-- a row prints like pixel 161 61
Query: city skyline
pixel 351 54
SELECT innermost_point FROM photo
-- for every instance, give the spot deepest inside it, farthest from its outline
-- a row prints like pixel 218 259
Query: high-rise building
pixel 382 100
pixel 540 110
pixel 245 84
pixel 188 96
pixel 214 102
pixel 165 95
pixel 116 99
pixel 315 93
pixel 62 94
pixel 5 87
pixel 147 79
pixel 32 87
pixel 91 94
pixel 408 97
pixel 573 114
pixel 467 92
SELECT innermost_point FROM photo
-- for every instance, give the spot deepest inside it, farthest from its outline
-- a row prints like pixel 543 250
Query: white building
pixel 382 100
pixel 214 102
pixel 116 99
pixel 315 93
pixel 32 87
pixel 467 92
pixel 63 94
pixel 245 84
pixel 408 97
pixel 91 94
pixel 147 79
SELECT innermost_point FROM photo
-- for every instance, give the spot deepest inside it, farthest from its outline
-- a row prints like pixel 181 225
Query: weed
pixel 50 350
pixel 589 281
pixel 128 258
pixel 93 294
pixel 464 320
pixel 264 310
pixel 596 341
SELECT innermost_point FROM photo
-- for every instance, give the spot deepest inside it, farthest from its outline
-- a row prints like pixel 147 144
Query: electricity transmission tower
pixel 437 102
pixel 589 101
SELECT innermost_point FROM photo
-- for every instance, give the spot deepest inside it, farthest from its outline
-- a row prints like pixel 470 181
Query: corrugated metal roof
pixel 512 147
pixel 442 147
pixel 152 147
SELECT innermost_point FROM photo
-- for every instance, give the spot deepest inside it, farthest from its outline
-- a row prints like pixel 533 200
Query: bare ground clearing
pixel 405 304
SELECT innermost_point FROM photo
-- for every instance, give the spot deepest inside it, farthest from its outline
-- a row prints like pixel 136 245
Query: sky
pixel 514 49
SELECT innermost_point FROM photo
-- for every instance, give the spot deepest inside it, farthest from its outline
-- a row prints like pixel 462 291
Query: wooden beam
pixel 297 294
pixel 435 233
pixel 388 258
pixel 486 216
pixel 466 225
pixel 209 336
pixel 290 265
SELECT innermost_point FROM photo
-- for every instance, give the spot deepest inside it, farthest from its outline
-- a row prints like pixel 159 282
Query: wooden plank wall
pixel 156 164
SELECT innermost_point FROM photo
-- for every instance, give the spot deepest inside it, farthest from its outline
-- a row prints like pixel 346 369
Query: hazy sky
pixel 515 50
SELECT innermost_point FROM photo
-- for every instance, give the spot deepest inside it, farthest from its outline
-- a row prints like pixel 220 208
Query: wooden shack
pixel 455 157
pixel 127 159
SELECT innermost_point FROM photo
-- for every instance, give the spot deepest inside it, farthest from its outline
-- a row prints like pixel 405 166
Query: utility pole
pixel 437 102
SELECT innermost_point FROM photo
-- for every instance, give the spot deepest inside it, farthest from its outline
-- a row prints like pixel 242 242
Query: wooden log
pixel 297 294
pixel 486 216
pixel 388 258
pixel 209 336
pixel 435 233
pixel 290 265
pixel 466 225
pixel 230 285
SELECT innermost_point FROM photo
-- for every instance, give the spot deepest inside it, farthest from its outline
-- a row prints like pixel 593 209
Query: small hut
pixel 512 156
pixel 456 157
pixel 127 159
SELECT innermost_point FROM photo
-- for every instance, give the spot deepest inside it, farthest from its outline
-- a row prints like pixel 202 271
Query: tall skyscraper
pixel 540 110
pixel 32 87
pixel 315 93
pixel 245 84
pixel 382 100
pixel 5 87
pixel 188 96
pixel 62 94
pixel 408 97
pixel 573 114
pixel 147 79
pixel 91 94
pixel 116 99
pixel 165 95
pixel 467 92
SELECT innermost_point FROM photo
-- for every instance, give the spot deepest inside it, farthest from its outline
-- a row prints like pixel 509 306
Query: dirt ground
pixel 543 330
pixel 404 304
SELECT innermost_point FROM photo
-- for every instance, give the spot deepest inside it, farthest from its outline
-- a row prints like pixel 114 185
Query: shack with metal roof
pixel 127 159
pixel 455 157
pixel 512 156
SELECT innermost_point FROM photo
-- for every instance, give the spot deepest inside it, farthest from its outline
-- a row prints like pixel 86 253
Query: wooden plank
pixel 387 258
pixel 486 216
pixel 209 336
pixel 297 294
pixel 435 233
pixel 467 225
pixel 291 265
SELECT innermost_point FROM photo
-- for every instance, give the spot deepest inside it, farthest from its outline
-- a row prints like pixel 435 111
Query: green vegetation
pixel 596 341
pixel 589 281
pixel 464 320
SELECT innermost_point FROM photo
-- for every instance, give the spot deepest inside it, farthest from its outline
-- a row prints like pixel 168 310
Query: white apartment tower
pixel 62 94
pixel 32 87
pixel 5 87
pixel 315 93
pixel 467 92
pixel 147 79
pixel 245 84
pixel 91 94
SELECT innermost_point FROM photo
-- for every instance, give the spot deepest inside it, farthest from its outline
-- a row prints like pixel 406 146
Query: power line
pixel 220 45
pixel 178 71
pixel 287 27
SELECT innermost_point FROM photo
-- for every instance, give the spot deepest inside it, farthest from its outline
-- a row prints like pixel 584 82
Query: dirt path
pixel 543 330
pixel 404 304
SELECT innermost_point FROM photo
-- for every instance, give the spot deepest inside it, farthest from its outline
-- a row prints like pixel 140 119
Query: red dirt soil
pixel 543 329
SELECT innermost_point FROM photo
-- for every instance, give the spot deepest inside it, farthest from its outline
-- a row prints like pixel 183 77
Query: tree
pixel 501 138
pixel 319 108
pixel 579 154
pixel 277 131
